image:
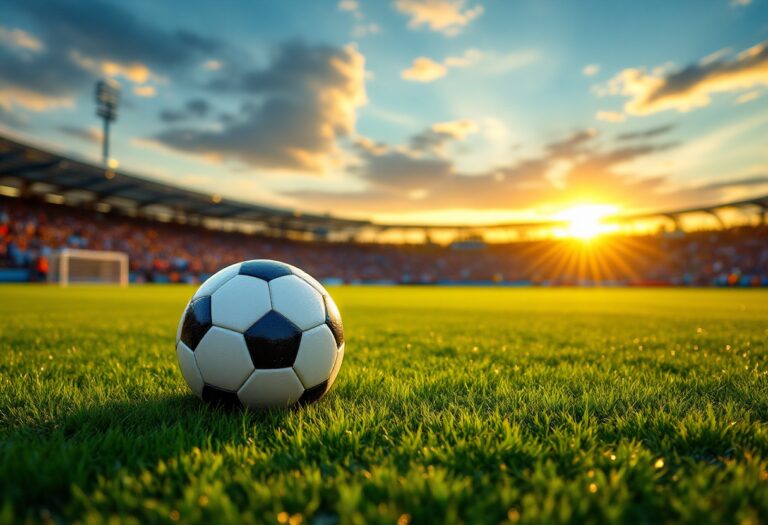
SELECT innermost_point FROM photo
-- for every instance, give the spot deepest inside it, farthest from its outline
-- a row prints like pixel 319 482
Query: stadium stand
pixel 168 252
pixel 171 234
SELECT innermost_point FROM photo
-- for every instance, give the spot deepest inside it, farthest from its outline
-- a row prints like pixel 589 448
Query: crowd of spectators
pixel 169 252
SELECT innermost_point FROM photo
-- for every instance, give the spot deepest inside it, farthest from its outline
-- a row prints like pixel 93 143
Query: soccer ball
pixel 260 333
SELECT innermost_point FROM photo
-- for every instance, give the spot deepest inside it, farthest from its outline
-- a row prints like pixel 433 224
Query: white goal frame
pixel 59 267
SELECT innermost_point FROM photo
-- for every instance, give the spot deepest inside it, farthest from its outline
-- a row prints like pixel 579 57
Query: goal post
pixel 71 266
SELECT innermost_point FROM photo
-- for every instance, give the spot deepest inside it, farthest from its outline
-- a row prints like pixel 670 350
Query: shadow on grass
pixel 41 463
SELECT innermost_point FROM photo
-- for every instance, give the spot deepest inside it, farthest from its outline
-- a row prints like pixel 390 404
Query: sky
pixel 436 111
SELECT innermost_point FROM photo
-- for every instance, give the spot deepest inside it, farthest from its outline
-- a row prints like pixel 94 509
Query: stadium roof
pixel 32 168
pixel 34 171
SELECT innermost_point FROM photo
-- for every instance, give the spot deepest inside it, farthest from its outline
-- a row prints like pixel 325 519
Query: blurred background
pixel 413 141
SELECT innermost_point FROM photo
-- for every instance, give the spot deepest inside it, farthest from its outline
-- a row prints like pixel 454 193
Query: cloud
pixel 438 135
pixel 20 39
pixel 424 69
pixel 170 116
pixel 106 31
pixel 362 27
pixel 448 17
pixel 611 116
pixel 11 96
pixel 145 91
pixel 365 29
pixel 573 168
pixel 75 42
pixel 349 5
pixel 496 132
pixel 193 108
pixel 496 63
pixel 749 96
pixel 691 87
pixel 92 135
pixel 12 120
pixel 590 70
pixel 212 65
pixel 403 172
pixel 457 129
pixel 572 145
pixel 754 180
pixel 406 120
pixel 647 133
pixel 295 110
pixel 198 107
pixel 136 72
pixel 469 57
pixel 31 78
pixel 740 3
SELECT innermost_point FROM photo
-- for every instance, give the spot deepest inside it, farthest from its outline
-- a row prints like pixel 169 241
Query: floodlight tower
pixel 107 100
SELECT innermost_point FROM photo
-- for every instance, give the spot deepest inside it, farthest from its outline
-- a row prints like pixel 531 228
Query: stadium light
pixel 107 100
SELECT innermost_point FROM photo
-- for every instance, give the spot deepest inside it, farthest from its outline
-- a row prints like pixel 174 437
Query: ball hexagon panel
pixel 197 321
pixel 333 320
pixel 336 366
pixel 189 368
pixel 274 388
pixel 223 359
pixel 316 357
pixel 216 280
pixel 265 269
pixel 273 341
pixel 298 301
pixel 239 302
pixel 311 280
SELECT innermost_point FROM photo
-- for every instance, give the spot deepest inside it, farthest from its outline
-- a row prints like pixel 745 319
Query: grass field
pixel 453 405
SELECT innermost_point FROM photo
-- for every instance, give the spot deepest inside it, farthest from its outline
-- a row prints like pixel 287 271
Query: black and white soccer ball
pixel 261 333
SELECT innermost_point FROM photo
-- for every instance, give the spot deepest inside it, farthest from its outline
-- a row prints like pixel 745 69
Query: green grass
pixel 453 405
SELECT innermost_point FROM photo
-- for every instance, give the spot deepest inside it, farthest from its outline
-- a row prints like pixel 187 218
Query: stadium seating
pixel 169 252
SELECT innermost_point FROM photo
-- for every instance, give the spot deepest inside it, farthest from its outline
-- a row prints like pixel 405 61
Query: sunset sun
pixel 585 221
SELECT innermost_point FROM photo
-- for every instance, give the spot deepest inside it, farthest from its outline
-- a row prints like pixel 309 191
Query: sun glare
pixel 585 221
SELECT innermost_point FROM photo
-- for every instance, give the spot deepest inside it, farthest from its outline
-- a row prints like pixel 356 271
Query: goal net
pixel 69 266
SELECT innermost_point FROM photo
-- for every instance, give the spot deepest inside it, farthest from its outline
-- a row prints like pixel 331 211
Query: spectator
pixel 165 252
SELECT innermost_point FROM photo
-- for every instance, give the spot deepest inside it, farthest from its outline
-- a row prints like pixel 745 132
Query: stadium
pixel 52 203
pixel 403 262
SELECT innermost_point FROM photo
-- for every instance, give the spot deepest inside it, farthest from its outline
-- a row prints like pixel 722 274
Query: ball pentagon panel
pixel 298 301
pixel 189 369
pixel 240 302
pixel 275 388
pixel 316 357
pixel 223 359
pixel 216 280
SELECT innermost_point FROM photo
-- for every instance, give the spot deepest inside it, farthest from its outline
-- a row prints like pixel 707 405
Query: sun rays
pixel 592 256
pixel 585 221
